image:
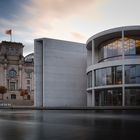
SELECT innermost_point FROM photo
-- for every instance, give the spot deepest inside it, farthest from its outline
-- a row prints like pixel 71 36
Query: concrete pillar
pixel 93 90
pixel 44 77
pixel 123 71
pixel 93 77
pixel 93 51
pixel 38 73
pixel 93 97
pixel 123 87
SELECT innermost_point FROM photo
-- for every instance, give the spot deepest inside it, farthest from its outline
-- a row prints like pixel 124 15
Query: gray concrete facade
pixel 60 73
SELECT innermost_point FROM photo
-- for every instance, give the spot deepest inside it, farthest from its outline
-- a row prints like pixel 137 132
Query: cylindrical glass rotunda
pixel 113 67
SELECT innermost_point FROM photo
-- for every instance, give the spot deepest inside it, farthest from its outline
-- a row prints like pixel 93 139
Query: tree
pixel 3 90
pixel 23 92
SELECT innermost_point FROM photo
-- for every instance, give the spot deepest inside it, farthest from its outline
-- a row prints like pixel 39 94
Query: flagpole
pixel 9 32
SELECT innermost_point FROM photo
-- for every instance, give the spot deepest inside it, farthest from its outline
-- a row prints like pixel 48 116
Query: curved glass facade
pixel 108 76
pixel 113 75
pixel 113 97
pixel 110 49
pixel 113 50
pixel 115 83
pixel 131 47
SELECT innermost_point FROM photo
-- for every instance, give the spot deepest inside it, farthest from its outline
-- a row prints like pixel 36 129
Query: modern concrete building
pixel 113 67
pixel 16 72
pixel 110 78
pixel 60 73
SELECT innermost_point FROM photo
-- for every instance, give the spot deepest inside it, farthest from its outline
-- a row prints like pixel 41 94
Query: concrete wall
pixel 63 65
pixel 89 58
pixel 38 72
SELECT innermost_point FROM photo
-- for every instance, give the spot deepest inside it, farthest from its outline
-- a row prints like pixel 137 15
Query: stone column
pixel 20 77
pixel 31 82
pixel 5 76
pixel 5 73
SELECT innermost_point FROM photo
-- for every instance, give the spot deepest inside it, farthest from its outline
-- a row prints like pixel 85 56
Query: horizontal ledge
pixel 76 108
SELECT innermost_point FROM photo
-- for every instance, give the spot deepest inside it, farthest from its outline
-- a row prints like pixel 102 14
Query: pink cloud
pixel 78 36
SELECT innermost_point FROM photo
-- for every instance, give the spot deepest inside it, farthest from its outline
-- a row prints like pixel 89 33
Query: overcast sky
pixel 73 20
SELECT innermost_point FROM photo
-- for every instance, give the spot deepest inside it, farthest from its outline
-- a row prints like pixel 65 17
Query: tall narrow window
pixel 108 76
pixel 28 81
pixel 28 88
pixel 12 86
pixel 28 75
pixel 89 79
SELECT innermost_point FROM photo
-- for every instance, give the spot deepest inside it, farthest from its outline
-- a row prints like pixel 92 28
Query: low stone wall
pixel 8 103
pixel 72 108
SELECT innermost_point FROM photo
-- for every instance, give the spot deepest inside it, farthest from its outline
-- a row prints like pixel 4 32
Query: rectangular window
pixel 108 76
pixel 28 81
pixel 138 74
pixel 118 75
pixel 97 77
pixel 132 96
pixel 89 79
pixel 12 86
pixel 28 88
pixel 28 75
pixel 132 74
pixel 13 96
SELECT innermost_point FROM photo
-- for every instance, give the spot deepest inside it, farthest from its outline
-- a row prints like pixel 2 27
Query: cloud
pixel 62 19
pixel 43 14
pixel 78 36
pixel 59 8
pixel 46 16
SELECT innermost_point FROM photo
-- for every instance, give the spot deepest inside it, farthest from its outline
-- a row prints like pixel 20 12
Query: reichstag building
pixel 16 74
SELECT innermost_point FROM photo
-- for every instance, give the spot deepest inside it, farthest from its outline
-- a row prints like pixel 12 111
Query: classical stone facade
pixel 16 72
